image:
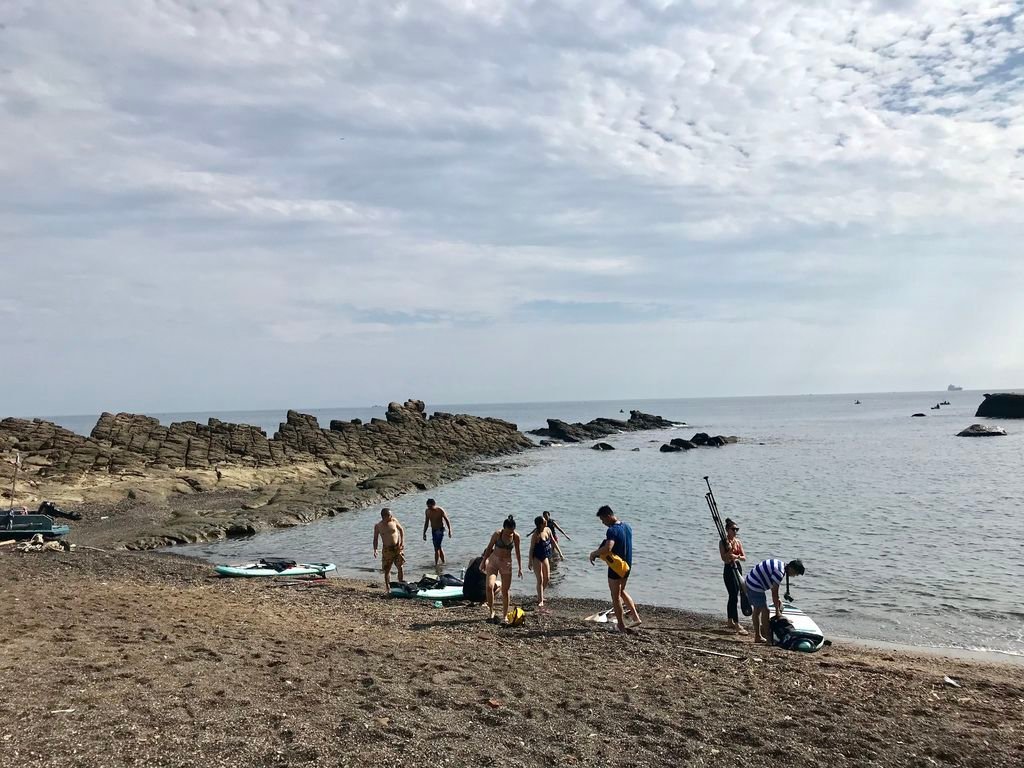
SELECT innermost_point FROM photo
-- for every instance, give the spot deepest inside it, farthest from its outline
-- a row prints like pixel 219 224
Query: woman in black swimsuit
pixel 540 557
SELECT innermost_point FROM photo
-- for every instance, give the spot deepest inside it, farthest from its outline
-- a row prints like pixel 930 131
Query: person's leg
pixel 386 568
pixel 615 587
pixel 489 593
pixel 729 576
pixel 760 625
pixel 400 562
pixel 538 571
pixel 506 588
pixel 630 605
pixel 547 572
pixel 440 552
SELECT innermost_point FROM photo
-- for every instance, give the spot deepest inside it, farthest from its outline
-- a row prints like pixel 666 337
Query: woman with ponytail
pixel 498 560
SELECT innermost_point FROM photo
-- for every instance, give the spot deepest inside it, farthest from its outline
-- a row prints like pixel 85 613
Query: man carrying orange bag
pixel 617 551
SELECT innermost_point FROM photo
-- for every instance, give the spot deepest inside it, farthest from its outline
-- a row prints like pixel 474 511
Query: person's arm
pixel 489 548
pixel 401 536
pixel 376 536
pixel 742 555
pixel 775 600
pixel 606 546
pixel 426 524
pixel 444 517
pixel 558 549
pixel 519 558
pixel 559 529
pixel 724 552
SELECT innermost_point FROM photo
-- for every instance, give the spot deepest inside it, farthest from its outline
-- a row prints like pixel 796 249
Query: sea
pixel 909 534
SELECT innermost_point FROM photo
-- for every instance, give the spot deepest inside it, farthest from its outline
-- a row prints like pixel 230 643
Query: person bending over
pixel 767 575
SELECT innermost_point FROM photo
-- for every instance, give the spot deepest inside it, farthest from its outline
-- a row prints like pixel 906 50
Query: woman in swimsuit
pixel 555 529
pixel 540 557
pixel 731 551
pixel 498 560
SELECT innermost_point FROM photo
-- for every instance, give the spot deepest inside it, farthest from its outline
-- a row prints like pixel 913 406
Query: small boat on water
pixel 856 402
pixel 954 388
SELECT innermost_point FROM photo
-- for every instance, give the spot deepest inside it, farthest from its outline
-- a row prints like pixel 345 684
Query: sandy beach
pixel 146 659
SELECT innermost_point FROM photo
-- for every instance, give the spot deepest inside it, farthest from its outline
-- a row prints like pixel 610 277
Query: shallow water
pixel 909 534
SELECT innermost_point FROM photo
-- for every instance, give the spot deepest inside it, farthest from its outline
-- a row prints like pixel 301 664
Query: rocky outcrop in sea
pixel 1004 405
pixel 598 428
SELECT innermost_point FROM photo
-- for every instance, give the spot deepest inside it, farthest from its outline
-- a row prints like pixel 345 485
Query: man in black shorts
pixel 618 541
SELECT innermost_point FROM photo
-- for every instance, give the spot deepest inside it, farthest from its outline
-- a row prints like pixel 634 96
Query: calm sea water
pixel 909 534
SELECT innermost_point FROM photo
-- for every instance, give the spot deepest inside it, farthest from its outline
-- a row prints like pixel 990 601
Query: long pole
pixel 14 482
pixel 709 497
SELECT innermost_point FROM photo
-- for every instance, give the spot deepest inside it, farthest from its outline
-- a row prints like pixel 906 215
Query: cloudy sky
pixel 216 204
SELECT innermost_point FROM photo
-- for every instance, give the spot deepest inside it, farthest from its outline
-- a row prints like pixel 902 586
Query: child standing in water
pixel 540 557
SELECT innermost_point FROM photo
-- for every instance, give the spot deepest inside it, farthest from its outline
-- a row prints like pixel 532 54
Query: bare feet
pixel 740 630
pixel 760 641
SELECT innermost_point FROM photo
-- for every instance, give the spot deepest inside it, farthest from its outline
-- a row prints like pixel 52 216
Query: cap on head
pixel 797 566
pixel 605 511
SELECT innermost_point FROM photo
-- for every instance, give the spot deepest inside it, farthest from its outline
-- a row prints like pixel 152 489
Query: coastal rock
pixel 669 448
pixel 982 430
pixel 682 444
pixel 1004 405
pixel 301 473
pixel 602 427
pixel 916 415
pixel 603 447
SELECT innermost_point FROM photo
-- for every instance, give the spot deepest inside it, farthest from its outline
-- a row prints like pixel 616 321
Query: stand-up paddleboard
pixel 435 593
pixel 261 569
pixel 796 631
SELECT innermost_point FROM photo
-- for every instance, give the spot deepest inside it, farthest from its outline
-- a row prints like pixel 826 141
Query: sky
pixel 241 204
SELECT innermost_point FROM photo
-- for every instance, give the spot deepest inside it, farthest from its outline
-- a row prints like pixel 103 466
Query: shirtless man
pixel 392 535
pixel 436 519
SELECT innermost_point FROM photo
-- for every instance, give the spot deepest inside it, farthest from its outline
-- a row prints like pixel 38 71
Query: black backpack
pixel 474 585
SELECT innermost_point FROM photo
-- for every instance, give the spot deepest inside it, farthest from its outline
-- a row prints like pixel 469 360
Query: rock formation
pixel 1004 405
pixel 982 430
pixel 301 473
pixel 598 428
pixel 603 447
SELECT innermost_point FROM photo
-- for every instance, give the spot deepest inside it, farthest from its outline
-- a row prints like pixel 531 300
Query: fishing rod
pixel 709 497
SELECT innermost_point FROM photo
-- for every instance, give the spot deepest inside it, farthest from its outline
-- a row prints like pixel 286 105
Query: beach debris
pixel 5 543
pixel 495 703
pixel 709 653
pixel 950 681
pixel 61 711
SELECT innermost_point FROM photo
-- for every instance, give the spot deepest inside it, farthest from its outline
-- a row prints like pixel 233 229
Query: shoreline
pixel 146 658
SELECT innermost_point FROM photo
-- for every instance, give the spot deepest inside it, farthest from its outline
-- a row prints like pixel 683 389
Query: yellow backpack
pixel 516 617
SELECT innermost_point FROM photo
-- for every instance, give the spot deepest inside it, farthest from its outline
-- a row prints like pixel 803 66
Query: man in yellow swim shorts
pixel 391 535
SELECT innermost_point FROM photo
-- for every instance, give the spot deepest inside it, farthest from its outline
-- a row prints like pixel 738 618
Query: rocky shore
pixel 142 659
pixel 145 485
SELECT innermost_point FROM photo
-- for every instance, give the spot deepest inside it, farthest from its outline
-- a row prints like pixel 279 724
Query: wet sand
pixel 142 659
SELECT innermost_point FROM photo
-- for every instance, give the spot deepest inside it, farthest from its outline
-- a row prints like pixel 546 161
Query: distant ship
pixel 954 388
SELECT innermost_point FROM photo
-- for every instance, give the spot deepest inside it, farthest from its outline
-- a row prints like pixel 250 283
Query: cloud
pixel 327 180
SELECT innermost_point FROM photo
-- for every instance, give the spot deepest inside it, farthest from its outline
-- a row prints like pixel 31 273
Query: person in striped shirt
pixel 768 574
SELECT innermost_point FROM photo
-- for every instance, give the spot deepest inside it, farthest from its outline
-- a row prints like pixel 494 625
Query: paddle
pixel 709 497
